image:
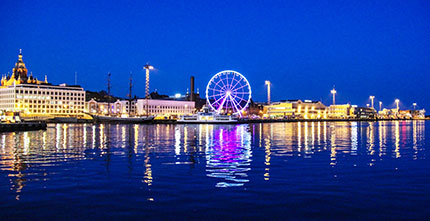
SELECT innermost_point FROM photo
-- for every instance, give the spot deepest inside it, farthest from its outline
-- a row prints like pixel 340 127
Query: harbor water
pixel 296 170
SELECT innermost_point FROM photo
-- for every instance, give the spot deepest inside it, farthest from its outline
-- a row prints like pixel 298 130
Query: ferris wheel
pixel 228 92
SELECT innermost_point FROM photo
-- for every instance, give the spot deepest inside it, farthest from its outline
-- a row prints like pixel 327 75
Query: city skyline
pixel 349 50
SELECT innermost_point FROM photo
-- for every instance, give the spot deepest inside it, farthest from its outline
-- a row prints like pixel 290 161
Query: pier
pixel 25 126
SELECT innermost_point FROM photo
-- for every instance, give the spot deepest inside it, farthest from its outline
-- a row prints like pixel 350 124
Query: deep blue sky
pixel 379 48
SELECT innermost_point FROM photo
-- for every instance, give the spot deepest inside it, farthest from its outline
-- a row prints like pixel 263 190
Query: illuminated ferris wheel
pixel 228 92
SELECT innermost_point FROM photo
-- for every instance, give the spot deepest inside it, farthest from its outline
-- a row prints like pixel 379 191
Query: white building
pixel 32 98
pixel 164 107
pixel 117 108
pixel 140 107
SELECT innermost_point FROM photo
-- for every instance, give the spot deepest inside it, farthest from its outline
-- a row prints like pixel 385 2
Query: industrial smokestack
pixel 192 88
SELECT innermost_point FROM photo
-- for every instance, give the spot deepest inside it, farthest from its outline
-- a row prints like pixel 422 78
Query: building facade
pixel 279 110
pixel 309 109
pixel 297 109
pixel 33 98
pixel 142 107
pixel 117 108
pixel 340 111
pixel 364 113
pixel 166 108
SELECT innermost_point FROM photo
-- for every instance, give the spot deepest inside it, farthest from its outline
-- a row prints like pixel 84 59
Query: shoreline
pixel 42 125
pixel 169 121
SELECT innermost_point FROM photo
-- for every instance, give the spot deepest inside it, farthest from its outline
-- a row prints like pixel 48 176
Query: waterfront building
pixel 142 107
pixel 387 113
pixel 306 109
pixel 340 111
pixel 166 108
pixel 117 108
pixel 255 109
pixel 279 110
pixel 364 113
pixel 309 109
pixel 34 98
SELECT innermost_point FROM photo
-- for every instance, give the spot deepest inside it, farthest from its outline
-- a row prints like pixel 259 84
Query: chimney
pixel 192 88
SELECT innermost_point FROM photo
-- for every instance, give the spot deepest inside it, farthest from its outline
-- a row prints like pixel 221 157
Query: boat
pixel 207 117
pixel 125 120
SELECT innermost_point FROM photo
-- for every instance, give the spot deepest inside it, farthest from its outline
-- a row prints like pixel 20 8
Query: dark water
pixel 353 170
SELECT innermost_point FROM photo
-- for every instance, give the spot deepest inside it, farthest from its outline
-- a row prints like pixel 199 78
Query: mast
pixel 129 95
pixel 108 92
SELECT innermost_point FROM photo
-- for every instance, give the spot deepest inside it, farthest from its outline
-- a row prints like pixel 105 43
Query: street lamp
pixel 415 105
pixel 147 68
pixel 397 103
pixel 371 99
pixel 334 95
pixel 380 105
pixel 268 91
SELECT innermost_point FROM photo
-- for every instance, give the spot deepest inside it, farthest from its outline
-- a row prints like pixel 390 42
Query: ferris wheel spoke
pixel 216 101
pixel 223 84
pixel 240 93
pixel 222 104
pixel 226 80
pixel 217 84
pixel 234 103
pixel 240 98
pixel 238 81
pixel 216 95
pixel 240 87
pixel 222 91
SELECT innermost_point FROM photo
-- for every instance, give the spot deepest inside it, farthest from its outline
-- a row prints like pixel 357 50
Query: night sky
pixel 364 48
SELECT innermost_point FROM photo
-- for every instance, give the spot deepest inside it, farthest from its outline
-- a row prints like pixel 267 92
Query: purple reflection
pixel 229 156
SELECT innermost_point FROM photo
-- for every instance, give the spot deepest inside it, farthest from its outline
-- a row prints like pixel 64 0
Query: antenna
pixel 76 78
pixel 130 95
pixel 108 92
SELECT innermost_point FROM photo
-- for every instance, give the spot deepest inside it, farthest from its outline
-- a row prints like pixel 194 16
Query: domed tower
pixel 20 71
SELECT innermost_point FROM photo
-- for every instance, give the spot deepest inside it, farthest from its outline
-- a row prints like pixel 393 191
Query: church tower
pixel 20 71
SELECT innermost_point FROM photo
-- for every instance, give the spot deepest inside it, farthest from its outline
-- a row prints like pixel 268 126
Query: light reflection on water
pixel 232 155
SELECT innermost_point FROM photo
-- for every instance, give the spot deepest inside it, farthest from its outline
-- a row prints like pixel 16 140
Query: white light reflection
pixel 177 140
pixel 397 139
pixel 354 139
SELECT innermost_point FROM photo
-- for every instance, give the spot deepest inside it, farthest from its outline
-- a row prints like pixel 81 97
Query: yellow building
pixel 340 111
pixel 309 109
pixel 34 98
pixel 278 110
pixel 296 109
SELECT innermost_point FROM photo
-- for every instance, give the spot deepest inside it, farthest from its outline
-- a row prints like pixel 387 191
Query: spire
pixel 46 79
pixel 20 69
pixel 20 55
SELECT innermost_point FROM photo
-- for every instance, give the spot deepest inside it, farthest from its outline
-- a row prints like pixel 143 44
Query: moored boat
pixel 131 120
pixel 207 117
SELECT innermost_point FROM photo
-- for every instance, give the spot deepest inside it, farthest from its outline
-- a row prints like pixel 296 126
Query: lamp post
pixel 371 100
pixel 147 67
pixel 415 105
pixel 268 91
pixel 397 104
pixel 380 105
pixel 334 95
